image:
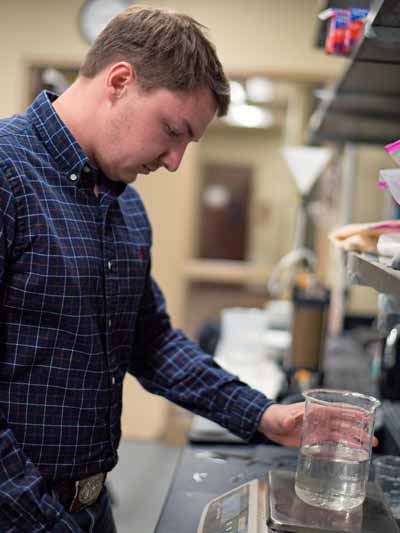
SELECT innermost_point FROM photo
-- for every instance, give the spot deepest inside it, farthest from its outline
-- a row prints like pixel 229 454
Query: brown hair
pixel 167 49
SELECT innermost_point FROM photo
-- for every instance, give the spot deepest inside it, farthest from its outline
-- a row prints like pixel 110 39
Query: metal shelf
pixel 380 44
pixel 353 127
pixel 386 13
pixel 370 270
pixel 364 104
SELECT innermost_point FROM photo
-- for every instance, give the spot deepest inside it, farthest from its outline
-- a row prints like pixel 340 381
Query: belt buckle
pixel 87 491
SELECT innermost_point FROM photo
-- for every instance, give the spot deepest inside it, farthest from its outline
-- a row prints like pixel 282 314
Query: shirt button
pixel 109 323
pixel 113 380
pixel 86 169
pixel 73 177
pixel 109 266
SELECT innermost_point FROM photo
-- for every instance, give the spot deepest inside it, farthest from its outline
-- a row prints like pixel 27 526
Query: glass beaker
pixel 335 453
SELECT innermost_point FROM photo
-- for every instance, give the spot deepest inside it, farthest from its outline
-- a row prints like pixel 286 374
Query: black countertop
pixel 204 472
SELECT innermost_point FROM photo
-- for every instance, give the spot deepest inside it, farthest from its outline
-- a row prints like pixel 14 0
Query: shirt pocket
pixel 129 277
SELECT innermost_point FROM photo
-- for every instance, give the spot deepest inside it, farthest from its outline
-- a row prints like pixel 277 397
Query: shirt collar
pixel 62 145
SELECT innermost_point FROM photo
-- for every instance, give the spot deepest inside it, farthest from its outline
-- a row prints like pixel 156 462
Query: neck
pixel 74 109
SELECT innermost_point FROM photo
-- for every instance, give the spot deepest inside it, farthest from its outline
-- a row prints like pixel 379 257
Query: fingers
pixel 292 421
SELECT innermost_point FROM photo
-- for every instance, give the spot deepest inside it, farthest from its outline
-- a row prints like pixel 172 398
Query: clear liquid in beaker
pixel 332 476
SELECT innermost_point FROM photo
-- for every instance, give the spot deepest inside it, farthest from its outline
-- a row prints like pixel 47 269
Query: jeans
pixel 96 518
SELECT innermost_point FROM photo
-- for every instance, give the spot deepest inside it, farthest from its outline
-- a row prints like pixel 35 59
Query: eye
pixel 171 132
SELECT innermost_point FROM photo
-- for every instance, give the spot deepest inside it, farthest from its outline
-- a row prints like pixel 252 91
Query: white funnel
pixel 306 164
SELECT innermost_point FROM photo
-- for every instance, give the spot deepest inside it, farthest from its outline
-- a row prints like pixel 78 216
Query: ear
pixel 119 77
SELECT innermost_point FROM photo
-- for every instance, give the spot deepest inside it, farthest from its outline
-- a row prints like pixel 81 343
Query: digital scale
pixel 271 505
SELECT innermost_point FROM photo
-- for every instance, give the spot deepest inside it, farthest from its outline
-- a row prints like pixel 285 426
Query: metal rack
pixel 364 105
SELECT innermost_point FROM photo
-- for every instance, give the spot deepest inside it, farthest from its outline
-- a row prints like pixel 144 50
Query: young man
pixel 79 306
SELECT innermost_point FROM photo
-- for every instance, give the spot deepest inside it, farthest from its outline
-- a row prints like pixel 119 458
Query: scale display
pixel 237 511
pixel 229 513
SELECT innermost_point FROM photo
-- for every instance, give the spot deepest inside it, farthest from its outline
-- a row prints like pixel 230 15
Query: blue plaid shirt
pixel 80 309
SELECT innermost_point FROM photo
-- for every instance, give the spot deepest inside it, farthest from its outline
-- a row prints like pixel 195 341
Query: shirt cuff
pixel 240 410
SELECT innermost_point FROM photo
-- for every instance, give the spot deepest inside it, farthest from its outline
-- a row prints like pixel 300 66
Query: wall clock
pixel 94 15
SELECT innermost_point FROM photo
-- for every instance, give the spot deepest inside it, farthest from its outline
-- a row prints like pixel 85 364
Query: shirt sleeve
pixel 167 363
pixel 24 502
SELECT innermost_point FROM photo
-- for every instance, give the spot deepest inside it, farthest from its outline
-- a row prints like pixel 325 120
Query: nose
pixel 172 158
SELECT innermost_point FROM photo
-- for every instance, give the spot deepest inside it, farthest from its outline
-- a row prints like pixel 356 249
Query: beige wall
pixel 35 29
pixel 261 34
pixel 249 34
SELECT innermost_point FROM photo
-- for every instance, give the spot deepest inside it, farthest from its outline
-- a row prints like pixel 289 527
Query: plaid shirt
pixel 80 309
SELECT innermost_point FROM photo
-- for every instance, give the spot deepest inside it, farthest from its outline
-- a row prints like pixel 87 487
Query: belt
pixel 76 495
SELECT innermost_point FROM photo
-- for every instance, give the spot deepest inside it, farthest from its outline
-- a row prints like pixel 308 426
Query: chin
pixel 124 178
pixel 128 179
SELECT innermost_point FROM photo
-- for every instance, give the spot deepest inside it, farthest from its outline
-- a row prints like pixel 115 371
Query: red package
pixel 336 34
pixel 354 28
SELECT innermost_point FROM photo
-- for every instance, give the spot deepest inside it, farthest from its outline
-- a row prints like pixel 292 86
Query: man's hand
pixel 283 423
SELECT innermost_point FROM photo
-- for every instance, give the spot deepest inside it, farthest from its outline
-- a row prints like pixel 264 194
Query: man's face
pixel 145 130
